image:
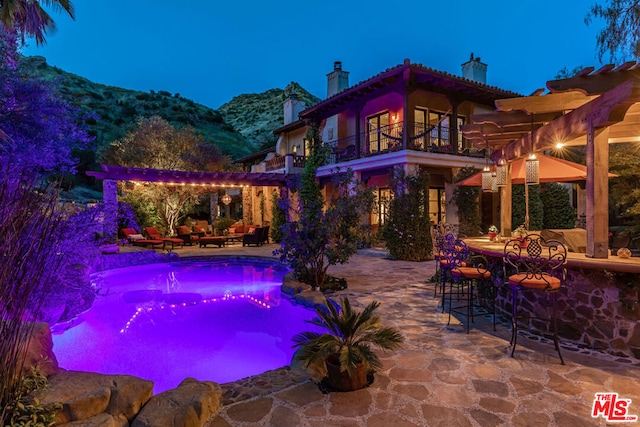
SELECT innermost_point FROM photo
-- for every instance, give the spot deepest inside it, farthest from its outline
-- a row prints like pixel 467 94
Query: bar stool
pixel 465 272
pixel 533 264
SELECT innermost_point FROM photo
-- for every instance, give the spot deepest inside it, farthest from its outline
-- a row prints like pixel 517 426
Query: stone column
pixel 110 199
pixel 247 205
pixel 213 209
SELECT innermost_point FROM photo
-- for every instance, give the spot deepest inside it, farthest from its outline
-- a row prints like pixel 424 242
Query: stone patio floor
pixel 441 376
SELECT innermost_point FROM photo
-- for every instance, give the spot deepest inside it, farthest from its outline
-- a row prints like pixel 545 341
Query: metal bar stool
pixel 533 264
pixel 465 272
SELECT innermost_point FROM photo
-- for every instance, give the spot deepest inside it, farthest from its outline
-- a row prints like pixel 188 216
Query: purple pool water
pixel 218 320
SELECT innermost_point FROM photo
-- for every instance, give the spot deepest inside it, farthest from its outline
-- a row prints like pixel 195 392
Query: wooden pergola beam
pixel 605 110
pixel 550 103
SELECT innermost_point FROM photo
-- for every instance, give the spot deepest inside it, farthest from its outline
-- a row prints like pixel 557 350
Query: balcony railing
pixel 390 138
pixel 285 163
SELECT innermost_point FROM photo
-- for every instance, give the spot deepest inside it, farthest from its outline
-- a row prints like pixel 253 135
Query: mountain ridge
pixel 240 127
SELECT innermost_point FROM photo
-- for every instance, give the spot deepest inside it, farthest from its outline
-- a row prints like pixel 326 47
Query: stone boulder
pixel 100 420
pixel 40 351
pixel 191 404
pixel 85 395
pixel 291 285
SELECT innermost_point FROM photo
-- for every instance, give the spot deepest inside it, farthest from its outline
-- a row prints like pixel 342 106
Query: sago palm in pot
pixel 345 347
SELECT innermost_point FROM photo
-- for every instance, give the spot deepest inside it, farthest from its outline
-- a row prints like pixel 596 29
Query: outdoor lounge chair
pixel 254 238
pixel 188 237
pixel 153 233
pixel 137 239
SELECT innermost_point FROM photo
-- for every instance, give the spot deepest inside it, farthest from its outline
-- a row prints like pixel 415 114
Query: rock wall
pixel 596 309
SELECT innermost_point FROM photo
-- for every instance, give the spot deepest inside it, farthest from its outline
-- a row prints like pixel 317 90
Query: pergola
pixel 206 181
pixel 592 108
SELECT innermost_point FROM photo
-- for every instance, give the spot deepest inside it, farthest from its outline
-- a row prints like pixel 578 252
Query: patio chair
pixel 265 235
pixel 187 236
pixel 253 238
pixel 535 265
pixel 137 239
pixel 153 233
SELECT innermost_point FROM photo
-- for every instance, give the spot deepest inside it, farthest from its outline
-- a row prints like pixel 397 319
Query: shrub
pixel 466 200
pixel 558 212
pixel 406 232
pixel 278 218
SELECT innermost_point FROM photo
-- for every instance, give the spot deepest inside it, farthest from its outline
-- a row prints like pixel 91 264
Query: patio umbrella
pixel 551 169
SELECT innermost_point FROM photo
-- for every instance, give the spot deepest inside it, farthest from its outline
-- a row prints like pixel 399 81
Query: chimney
pixel 337 80
pixel 475 70
pixel 292 107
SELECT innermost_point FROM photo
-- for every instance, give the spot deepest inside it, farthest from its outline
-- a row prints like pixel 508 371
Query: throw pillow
pixel 135 236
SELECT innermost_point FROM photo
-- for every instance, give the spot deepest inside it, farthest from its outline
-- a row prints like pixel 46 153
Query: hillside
pixel 255 116
pixel 117 108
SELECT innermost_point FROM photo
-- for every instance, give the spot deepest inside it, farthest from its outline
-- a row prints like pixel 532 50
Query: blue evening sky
pixel 211 51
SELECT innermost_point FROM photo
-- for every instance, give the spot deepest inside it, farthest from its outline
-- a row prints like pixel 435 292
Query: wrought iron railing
pixel 389 138
pixel 285 163
pixel 274 163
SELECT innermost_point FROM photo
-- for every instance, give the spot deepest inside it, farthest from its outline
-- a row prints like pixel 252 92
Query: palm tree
pixel 28 18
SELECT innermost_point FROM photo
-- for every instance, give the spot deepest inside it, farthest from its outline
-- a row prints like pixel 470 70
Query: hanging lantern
pixel 487 179
pixel 494 183
pixel 532 170
pixel 226 199
pixel 501 173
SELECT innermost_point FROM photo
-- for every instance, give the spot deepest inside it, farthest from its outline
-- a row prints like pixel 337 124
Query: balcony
pixel 421 137
pixel 290 163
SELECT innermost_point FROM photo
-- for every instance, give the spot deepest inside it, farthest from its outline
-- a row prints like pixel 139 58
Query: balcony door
pixel 377 132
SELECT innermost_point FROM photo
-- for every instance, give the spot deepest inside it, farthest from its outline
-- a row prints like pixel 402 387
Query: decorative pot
pixel 523 242
pixel 492 236
pixel 342 381
pixel 624 253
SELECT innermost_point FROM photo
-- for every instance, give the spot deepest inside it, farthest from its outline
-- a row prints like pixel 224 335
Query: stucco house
pixel 408 115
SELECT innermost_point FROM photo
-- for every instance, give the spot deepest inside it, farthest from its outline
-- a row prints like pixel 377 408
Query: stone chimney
pixel 292 107
pixel 475 70
pixel 337 80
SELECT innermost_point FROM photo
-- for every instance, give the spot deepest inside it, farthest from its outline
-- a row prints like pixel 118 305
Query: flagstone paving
pixel 441 376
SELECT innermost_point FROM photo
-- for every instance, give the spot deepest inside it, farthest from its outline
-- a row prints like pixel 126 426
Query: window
pixel 437 205
pixel 381 206
pixel 377 132
pixel 432 130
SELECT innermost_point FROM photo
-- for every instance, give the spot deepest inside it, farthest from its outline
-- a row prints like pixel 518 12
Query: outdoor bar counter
pixel 483 246
pixel 598 307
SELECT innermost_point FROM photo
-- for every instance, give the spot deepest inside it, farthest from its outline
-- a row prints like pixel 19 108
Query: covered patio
pixel 593 109
pixel 209 182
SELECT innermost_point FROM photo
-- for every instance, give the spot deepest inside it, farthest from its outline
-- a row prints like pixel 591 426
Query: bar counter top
pixel 484 246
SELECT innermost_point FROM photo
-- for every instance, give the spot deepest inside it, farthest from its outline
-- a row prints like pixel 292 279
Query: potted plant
pixel 343 353
pixel 493 232
pixel 520 233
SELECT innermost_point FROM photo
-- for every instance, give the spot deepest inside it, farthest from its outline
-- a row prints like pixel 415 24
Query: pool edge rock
pixel 192 403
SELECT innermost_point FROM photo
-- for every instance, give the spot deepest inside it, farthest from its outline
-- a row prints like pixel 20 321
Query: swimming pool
pixel 218 319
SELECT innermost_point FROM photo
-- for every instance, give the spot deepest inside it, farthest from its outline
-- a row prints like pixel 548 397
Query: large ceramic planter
pixel 342 381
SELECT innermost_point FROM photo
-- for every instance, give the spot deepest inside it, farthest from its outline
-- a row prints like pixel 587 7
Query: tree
pixel 321 238
pixel 43 248
pixel 625 189
pixel 519 207
pixel 620 37
pixel 154 143
pixel 38 128
pixel 28 18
